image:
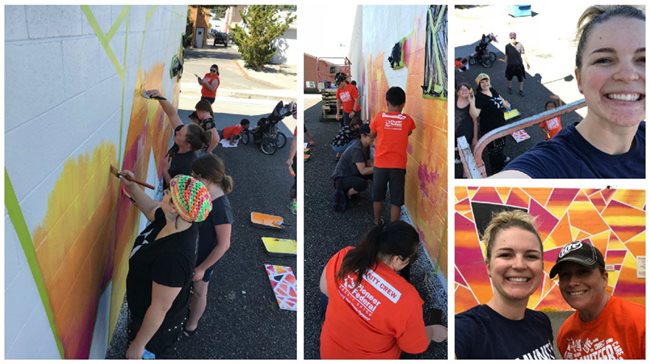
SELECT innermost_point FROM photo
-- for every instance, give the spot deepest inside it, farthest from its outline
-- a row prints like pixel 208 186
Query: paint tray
pixel 278 246
pixel 265 220
pixel 283 283
pixel 511 114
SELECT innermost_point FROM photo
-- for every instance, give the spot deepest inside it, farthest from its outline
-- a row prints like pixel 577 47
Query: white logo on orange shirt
pixel 345 96
pixel 382 286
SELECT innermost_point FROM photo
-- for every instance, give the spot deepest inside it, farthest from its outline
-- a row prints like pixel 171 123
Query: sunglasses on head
pixel 213 70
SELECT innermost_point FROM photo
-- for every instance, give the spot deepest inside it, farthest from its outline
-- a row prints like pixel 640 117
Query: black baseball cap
pixel 364 129
pixel 581 253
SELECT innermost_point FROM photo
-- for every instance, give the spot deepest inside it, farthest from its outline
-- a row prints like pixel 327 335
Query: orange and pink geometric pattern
pixel 613 220
pixel 283 282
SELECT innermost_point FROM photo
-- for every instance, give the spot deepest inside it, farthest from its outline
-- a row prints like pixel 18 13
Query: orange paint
pixel 72 244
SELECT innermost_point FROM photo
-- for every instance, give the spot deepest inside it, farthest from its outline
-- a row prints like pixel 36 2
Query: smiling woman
pixel 614 328
pixel 515 266
pixel 610 71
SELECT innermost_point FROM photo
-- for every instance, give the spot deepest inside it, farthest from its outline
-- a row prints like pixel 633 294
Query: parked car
pixel 219 37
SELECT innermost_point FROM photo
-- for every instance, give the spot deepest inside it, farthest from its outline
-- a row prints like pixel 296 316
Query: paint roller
pixel 147 96
pixel 117 174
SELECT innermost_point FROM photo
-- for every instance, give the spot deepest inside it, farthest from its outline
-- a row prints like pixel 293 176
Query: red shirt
pixel 230 131
pixel 378 319
pixel 205 91
pixel 551 127
pixel 347 95
pixel 393 129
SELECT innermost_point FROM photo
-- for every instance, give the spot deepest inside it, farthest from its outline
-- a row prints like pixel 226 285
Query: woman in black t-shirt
pixel 161 264
pixel 466 123
pixel 188 139
pixel 214 233
pixel 490 106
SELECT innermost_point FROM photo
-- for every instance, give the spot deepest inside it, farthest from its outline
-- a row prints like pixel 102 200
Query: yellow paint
pixel 76 232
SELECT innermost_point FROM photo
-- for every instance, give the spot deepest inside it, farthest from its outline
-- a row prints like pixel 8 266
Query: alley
pixel 242 320
pixel 326 232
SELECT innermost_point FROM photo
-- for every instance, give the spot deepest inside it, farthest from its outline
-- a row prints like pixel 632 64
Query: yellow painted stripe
pixel 118 22
pixel 102 39
pixel 25 238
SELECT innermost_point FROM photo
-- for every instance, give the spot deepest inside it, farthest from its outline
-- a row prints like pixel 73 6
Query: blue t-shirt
pixel 482 333
pixel 570 155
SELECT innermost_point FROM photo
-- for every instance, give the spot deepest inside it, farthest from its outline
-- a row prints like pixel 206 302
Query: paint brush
pixel 146 95
pixel 128 178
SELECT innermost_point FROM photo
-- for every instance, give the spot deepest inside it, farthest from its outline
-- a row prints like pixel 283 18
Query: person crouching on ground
pixel 372 312
pixel 392 129
pixel 161 263
pixel 214 233
pixel 233 133
pixel 346 135
pixel 504 328
pixel 602 327
pixel 353 169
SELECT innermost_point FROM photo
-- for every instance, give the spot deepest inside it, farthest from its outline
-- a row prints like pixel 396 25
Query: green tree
pixel 262 26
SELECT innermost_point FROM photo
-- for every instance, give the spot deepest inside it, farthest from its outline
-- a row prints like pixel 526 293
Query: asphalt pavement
pixel 547 37
pixel 242 319
pixel 326 232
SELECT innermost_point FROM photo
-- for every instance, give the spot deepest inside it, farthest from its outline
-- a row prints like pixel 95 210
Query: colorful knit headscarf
pixel 190 198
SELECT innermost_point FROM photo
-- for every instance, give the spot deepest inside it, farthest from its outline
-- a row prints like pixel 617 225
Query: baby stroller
pixel 481 55
pixel 266 134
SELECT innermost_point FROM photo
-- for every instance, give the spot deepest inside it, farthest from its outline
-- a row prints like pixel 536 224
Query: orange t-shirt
pixel 551 127
pixel 378 319
pixel 347 95
pixel 230 131
pixel 205 91
pixel 393 131
pixel 617 333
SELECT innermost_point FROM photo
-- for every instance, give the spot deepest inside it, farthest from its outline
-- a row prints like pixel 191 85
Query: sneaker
pixel 521 93
pixel 340 199
pixel 293 206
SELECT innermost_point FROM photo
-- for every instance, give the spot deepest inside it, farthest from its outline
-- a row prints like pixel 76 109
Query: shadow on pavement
pixel 326 232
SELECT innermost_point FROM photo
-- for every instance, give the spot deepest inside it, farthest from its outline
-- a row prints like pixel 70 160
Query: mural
pixel 426 174
pixel 81 246
pixel 435 65
pixel 613 220
pixel 71 248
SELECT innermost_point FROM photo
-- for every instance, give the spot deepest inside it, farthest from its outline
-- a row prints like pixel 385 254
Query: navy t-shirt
pixel 347 166
pixel 570 155
pixel 482 333
pixel 221 214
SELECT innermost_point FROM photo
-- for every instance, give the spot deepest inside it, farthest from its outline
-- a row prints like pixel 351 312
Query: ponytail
pixel 212 168
pixel 197 137
pixel 385 240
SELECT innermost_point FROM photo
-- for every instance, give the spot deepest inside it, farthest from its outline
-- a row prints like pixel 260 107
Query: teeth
pixel 577 293
pixel 624 97
pixel 518 279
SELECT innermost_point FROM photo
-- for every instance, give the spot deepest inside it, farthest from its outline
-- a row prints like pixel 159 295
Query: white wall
pixel 63 97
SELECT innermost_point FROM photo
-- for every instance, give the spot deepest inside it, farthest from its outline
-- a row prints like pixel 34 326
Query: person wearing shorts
pixel 392 129
pixel 515 58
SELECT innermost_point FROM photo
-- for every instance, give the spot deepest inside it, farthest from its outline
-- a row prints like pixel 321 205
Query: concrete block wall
pixel 73 80
pixel 377 29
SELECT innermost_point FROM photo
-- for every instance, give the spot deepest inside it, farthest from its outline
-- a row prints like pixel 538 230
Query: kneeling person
pixel 233 132
pixel 352 170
